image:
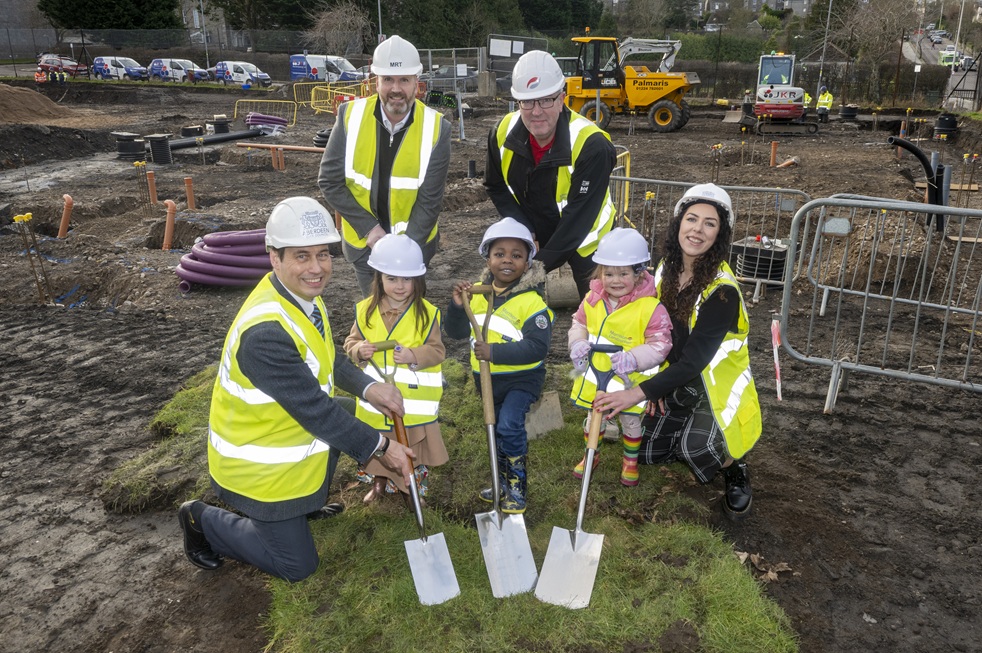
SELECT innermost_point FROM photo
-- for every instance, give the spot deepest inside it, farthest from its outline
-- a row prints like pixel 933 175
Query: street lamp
pixel 204 34
pixel 958 32
pixel 380 21
pixel 825 44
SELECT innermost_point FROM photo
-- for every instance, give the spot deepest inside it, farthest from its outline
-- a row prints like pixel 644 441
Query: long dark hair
pixel 419 291
pixel 677 302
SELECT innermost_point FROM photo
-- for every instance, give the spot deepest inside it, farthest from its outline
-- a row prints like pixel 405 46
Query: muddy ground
pixel 874 507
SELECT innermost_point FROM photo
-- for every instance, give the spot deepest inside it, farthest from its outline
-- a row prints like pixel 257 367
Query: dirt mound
pixel 18 105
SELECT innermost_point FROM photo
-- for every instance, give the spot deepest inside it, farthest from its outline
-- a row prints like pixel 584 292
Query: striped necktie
pixel 317 319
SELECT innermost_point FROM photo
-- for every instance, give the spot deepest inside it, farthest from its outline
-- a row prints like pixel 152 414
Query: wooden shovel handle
pixel 593 437
pixel 400 429
pixel 487 394
pixel 385 345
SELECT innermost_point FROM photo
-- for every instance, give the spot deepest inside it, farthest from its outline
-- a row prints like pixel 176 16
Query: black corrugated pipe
pixel 181 143
pixel 934 178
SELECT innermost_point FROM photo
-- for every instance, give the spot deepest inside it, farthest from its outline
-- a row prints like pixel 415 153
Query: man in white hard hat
pixel 549 168
pixel 385 165
pixel 275 428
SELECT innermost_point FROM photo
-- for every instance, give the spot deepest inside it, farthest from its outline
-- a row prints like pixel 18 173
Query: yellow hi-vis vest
pixel 625 326
pixel 579 130
pixel 255 448
pixel 408 169
pixel 421 389
pixel 728 379
pixel 506 323
pixel 808 99
pixel 825 101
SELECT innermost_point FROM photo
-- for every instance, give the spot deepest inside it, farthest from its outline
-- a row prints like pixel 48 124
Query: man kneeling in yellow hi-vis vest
pixel 385 165
pixel 275 429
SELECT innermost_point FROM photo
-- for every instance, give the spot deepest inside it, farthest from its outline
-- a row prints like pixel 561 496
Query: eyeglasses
pixel 543 102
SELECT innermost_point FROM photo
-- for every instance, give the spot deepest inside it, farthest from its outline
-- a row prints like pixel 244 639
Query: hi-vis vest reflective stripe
pixel 421 389
pixel 579 130
pixel 506 325
pixel 624 327
pixel 255 448
pixel 825 101
pixel 728 379
pixel 408 169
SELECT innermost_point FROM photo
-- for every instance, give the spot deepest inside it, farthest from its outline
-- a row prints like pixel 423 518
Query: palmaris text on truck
pixel 322 67
pixel 240 72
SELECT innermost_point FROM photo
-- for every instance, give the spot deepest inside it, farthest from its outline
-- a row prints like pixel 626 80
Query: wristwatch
pixel 381 450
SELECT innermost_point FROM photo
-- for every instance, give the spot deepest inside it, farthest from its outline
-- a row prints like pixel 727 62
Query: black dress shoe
pixel 196 546
pixel 739 495
pixel 329 510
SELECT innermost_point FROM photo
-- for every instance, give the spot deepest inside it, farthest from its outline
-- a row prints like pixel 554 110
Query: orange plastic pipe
pixel 773 153
pixel 292 148
pixel 66 216
pixel 189 187
pixel 169 224
pixel 152 184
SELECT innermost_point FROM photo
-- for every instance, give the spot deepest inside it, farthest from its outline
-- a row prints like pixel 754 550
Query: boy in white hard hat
pixel 530 155
pixel 519 331
pixel 275 429
pixel 385 165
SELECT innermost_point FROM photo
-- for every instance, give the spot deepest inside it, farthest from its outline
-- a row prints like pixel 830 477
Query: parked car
pixel 55 62
pixel 119 68
pixel 449 78
pixel 240 72
pixel 323 68
pixel 177 70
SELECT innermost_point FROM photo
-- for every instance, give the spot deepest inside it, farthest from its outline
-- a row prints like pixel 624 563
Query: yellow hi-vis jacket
pixel 506 324
pixel 580 129
pixel 408 168
pixel 728 379
pixel 825 101
pixel 422 388
pixel 625 326
pixel 808 99
pixel 255 448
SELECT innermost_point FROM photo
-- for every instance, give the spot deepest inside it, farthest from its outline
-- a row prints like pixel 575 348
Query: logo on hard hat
pixel 533 83
pixel 312 224
pixel 395 64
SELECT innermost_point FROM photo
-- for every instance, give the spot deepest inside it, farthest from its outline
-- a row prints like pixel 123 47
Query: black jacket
pixel 535 187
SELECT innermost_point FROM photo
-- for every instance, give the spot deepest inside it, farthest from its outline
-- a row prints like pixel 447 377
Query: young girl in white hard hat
pixel 703 407
pixel 622 308
pixel 516 347
pixel 396 310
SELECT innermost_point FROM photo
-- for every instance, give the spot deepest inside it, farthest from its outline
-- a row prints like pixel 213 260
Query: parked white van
pixel 177 70
pixel 240 72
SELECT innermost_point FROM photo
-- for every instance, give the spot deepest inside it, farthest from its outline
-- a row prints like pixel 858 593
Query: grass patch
pixel 662 571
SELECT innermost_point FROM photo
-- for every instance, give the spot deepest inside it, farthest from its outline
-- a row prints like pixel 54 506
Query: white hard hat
pixel 398 255
pixel 300 222
pixel 622 247
pixel 708 194
pixel 396 56
pixel 536 75
pixel 506 228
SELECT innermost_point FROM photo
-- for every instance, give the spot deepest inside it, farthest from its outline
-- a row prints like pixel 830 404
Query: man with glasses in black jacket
pixel 549 167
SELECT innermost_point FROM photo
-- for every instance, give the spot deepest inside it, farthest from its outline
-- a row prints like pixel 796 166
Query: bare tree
pixel 881 24
pixel 339 28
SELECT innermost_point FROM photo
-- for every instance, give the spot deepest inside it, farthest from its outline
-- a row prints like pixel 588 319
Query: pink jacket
pixel 657 335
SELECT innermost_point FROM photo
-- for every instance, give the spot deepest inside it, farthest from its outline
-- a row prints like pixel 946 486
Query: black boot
pixel 196 546
pixel 487 493
pixel 738 496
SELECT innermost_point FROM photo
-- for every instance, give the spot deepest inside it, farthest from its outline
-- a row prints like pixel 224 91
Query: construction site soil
pixel 874 508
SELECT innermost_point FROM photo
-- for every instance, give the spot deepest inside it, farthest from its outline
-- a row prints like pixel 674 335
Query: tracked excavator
pixel 604 86
pixel 777 108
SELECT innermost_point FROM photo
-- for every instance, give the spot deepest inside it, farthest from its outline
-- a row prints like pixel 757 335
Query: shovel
pixel 570 567
pixel 504 539
pixel 429 558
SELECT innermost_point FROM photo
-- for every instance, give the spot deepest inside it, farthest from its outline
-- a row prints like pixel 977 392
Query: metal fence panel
pixel 889 290
pixel 760 236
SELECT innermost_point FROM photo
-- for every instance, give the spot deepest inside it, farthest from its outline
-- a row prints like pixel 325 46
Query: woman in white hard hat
pixel 396 310
pixel 703 407
pixel 622 308
pixel 519 331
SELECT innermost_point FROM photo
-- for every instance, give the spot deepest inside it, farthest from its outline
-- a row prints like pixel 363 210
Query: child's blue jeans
pixel 510 418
